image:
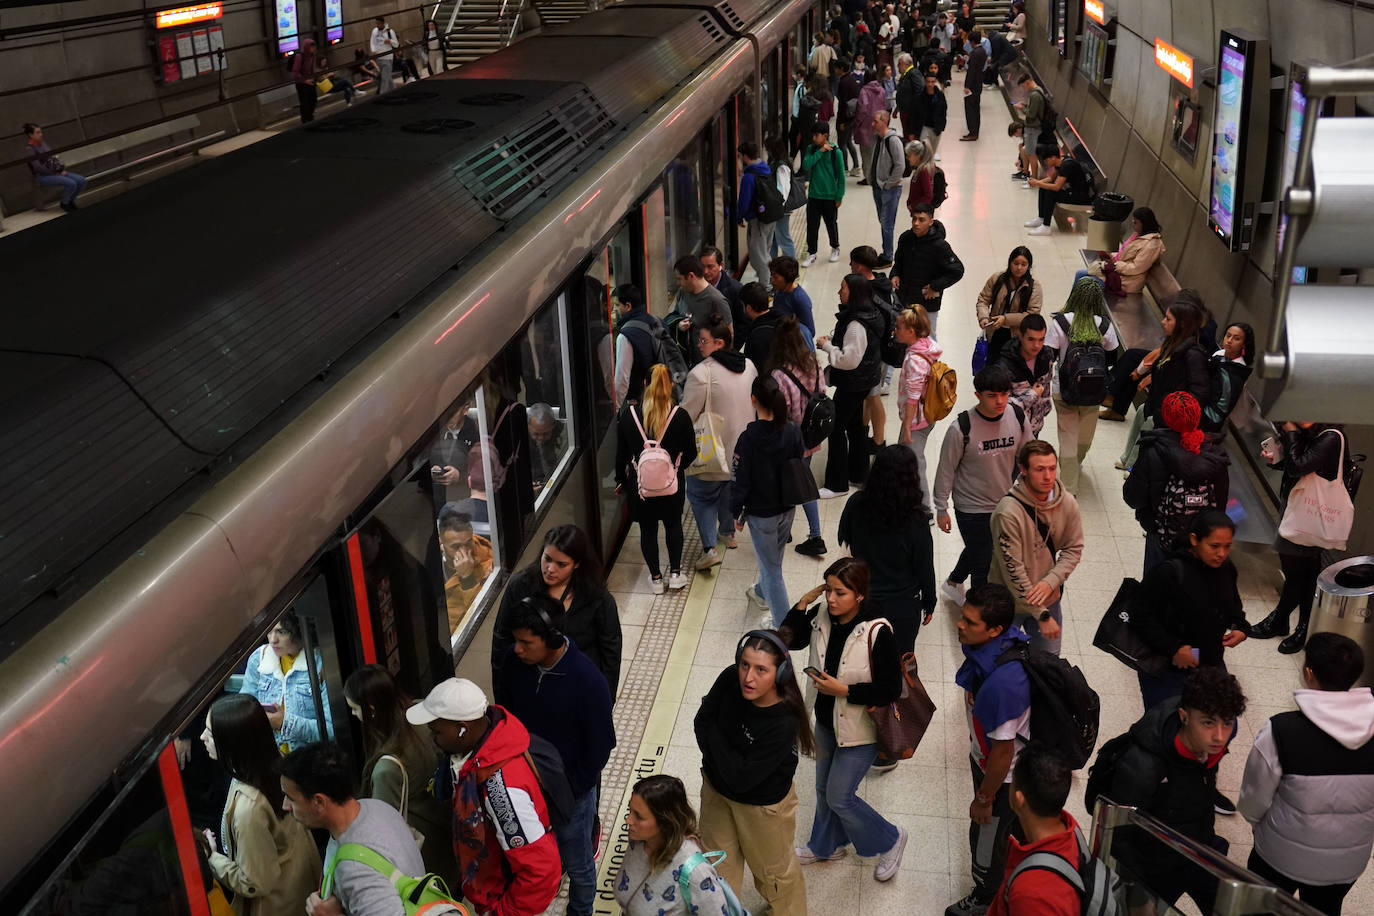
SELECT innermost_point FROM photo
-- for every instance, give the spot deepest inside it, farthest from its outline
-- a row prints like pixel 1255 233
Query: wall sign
pixel 1099 52
pixel 188 42
pixel 1096 11
pixel 1174 62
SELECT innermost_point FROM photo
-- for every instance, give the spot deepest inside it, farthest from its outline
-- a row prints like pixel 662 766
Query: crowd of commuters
pixel 500 799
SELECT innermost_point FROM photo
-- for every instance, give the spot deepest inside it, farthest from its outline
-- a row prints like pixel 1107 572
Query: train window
pixel 129 863
pixel 546 392
pixel 682 210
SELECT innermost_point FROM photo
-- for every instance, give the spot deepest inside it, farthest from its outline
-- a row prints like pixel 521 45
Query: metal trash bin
pixel 1345 595
pixel 1103 235
pixel 1108 222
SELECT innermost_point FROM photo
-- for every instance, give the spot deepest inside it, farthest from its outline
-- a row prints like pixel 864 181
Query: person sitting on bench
pixel 49 170
pixel 1134 258
pixel 1065 182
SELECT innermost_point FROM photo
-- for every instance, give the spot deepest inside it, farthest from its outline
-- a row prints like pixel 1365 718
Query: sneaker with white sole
pixel 1025 186
pixel 752 595
pixel 827 493
pixel 806 857
pixel 834 255
pixel 890 861
pixel 708 559
pixel 1032 223
pixel 969 906
pixel 937 157
pixel 1042 230
pixel 954 591
pixel 656 583
pixel 677 580
pixel 810 259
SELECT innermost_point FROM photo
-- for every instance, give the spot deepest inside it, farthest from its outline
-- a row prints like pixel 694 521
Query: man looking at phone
pixel 997 707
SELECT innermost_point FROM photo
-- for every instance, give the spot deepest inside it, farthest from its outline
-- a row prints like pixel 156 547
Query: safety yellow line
pixel 658 730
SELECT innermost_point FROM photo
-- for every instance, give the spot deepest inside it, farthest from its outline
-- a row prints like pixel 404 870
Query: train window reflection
pixel 287 673
pixel 547 396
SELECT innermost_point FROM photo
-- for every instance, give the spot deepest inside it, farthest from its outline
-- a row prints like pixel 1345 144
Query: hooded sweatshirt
pixel 1168 484
pixel 1000 693
pixel 925 260
pixel 761 450
pixel 1024 378
pixel 725 379
pixel 748 752
pixel 1185 602
pixel 748 203
pixel 1021 557
pixel 1309 787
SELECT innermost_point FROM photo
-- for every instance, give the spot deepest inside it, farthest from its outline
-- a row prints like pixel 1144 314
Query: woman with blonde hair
pixel 922 350
pixel 662 828
pixel 656 418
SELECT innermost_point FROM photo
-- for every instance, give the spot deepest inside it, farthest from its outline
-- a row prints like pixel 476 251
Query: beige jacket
pixel 729 396
pixel 269 860
pixel 853 725
pixel 1021 557
pixel 1135 259
pixel 991 305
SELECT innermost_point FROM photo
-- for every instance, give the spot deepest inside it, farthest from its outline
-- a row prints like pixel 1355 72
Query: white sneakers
pixel 1032 223
pixel 806 857
pixel 754 598
pixel 827 493
pixel 1041 230
pixel 708 559
pixel 810 259
pixel 890 861
pixel 954 591
pixel 656 583
pixel 676 581
pixel 834 255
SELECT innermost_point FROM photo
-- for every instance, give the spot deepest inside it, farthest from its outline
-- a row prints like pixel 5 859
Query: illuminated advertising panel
pixel 1292 138
pixel 1229 138
pixel 333 21
pixel 1238 140
pixel 1174 62
pixel 288 30
pixel 1097 46
pixel 185 15
pixel 1096 11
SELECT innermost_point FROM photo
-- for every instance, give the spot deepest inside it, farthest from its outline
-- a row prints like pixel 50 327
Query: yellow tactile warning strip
pixel 679 627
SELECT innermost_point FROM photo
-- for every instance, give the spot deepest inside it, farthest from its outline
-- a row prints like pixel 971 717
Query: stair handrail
pixel 1239 890
pixel 453 16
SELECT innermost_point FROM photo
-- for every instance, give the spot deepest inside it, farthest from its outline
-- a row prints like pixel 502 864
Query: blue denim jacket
pixel 263 679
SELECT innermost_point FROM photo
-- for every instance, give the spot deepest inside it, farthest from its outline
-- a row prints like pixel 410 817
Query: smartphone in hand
pixel 813 672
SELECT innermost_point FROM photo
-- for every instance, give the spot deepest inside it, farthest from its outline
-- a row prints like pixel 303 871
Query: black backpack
pixel 1103 770
pixel 1082 370
pixel 1064 710
pixel 818 414
pixel 1049 118
pixel 768 200
pixel 548 768
pixel 966 424
pixel 939 188
pixel 665 351
pixel 892 350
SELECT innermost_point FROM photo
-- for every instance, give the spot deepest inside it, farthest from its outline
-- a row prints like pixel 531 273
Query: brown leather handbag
pixel 903 722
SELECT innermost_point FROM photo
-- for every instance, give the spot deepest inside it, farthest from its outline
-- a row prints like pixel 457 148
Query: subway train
pixel 354 372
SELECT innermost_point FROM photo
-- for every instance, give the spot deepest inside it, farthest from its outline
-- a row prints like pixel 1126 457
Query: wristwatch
pixel 1044 616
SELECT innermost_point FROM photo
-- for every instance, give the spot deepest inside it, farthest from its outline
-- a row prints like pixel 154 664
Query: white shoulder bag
pixel 405 799
pixel 1319 511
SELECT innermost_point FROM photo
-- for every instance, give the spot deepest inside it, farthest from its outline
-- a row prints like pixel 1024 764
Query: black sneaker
pixel 1221 804
pixel 811 547
pixel 969 906
pixel 883 764
pixel 1019 176
pixel 883 264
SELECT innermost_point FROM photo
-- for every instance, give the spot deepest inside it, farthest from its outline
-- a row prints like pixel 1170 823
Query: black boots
pixel 1292 645
pixel 1276 624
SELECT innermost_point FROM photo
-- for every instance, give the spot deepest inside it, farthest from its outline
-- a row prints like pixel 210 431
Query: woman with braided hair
pixel 1180 472
pixel 1086 321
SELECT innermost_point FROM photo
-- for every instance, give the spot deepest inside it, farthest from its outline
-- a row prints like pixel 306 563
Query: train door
pixel 733 239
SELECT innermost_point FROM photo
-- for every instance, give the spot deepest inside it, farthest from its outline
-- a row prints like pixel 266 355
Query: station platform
pixel 676 644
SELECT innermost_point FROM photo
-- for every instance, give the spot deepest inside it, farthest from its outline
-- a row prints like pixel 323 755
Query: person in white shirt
pixel 383 44
pixel 1085 319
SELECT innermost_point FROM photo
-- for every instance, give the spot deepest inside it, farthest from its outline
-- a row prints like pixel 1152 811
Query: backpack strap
pixel 1051 862
pixel 356 852
pixel 965 424
pixel 1042 527
pixel 684 876
pixel 1063 323
pixel 642 434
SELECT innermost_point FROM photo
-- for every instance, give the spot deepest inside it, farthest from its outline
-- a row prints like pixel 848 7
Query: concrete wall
pixel 1127 129
pixel 101 102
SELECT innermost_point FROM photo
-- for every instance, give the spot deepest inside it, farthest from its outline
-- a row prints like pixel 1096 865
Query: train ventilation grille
pixel 711 28
pixel 342 125
pixel 414 97
pixel 509 173
pixel 438 126
pixel 731 16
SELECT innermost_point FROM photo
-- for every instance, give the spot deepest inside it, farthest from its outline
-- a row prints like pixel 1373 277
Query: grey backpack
pixel 1096 884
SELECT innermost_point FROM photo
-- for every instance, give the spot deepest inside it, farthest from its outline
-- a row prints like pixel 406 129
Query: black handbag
pixel 796 483
pixel 1117 637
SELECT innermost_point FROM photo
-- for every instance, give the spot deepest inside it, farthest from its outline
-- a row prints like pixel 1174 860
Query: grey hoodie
pixel 1315 824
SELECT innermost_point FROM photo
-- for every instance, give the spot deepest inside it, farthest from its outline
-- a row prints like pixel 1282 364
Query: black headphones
pixel 784 667
pixel 555 633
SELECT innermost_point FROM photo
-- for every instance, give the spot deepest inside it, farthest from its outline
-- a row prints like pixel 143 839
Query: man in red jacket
pixel 1040 785
pixel 507 855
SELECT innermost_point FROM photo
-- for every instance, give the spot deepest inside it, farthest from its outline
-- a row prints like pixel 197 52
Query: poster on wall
pixel 1238 137
pixel 187 41
pixel 288 38
pixel 217 47
pixel 1228 140
pixel 200 38
pixel 1093 61
pixel 333 21
pixel 186 51
pixel 167 57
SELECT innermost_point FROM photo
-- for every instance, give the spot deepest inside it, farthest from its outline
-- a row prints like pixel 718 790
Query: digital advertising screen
pixel 333 21
pixel 288 29
pixel 1292 138
pixel 1093 61
pixel 1058 26
pixel 1229 139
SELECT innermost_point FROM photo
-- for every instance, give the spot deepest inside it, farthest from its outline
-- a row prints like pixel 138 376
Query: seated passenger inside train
pixel 548 443
pixel 467 562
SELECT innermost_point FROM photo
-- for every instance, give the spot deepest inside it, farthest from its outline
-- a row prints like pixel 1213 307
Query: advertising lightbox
pixel 1238 140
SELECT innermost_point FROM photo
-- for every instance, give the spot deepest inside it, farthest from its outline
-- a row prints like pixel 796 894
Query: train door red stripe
pixel 182 832
pixel 360 605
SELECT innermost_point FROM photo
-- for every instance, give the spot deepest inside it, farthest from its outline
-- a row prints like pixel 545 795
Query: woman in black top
pixel 672 428
pixel 856 368
pixel 887 526
pixel 750 728
pixel 848 677
pixel 1188 608
pixel 1306 448
pixel 569 572
pixel 1182 362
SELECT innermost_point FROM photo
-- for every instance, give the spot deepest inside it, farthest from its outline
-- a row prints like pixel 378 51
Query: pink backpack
pixel 656 469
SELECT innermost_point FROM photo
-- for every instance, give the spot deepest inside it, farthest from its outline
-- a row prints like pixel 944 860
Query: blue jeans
pixel 1155 551
pixel 813 512
pixel 710 502
pixel 70 183
pixel 1167 685
pixel 841 816
pixel 769 535
pixel 782 238
pixel 1032 628
pixel 575 850
pixel 885 202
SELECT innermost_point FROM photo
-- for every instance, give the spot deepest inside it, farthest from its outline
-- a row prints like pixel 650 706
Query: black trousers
pixel 976 530
pixel 987 843
pixel 973 115
pixel 848 443
pixel 905 616
pixel 306 95
pixel 1120 385
pixel 817 210
pixel 1300 572
pixel 1324 897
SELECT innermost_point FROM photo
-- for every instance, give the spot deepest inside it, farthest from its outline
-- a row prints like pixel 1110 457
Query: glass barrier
pixel 1158 866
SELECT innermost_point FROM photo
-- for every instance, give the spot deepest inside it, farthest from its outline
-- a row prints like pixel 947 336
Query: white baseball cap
pixel 456 699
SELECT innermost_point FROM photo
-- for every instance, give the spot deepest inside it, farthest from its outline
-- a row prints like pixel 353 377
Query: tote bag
pixel 902 723
pixel 1319 511
pixel 711 458
pixel 1116 634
